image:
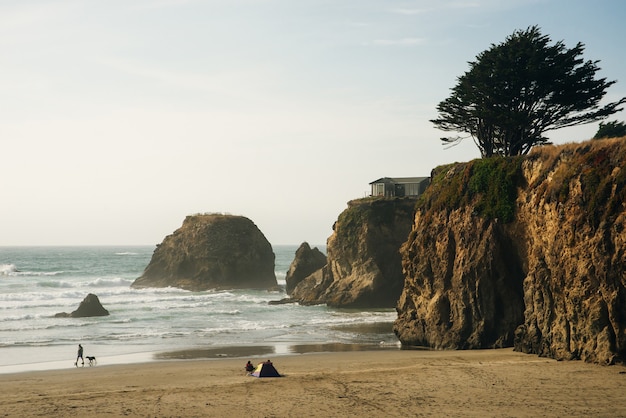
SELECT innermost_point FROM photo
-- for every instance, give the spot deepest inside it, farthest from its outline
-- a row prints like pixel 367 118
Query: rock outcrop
pixel 212 251
pixel 527 252
pixel 306 262
pixel 90 306
pixel 363 267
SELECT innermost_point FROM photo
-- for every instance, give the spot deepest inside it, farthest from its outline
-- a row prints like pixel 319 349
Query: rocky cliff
pixel 525 252
pixel 363 261
pixel 212 251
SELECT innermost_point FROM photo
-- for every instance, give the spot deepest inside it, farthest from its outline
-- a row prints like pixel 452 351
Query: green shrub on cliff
pixel 490 184
pixel 494 183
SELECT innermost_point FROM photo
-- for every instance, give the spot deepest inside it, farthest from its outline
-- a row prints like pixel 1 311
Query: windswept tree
pixel 516 91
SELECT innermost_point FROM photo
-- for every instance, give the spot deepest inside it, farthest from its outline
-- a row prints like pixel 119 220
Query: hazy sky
pixel 118 118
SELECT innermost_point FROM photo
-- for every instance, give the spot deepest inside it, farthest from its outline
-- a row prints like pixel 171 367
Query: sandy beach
pixel 397 383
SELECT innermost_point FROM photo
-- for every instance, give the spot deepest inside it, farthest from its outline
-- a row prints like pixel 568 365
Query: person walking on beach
pixel 80 355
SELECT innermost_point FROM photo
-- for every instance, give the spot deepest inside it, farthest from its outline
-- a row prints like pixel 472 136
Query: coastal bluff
pixel 528 252
pixel 212 251
pixel 363 268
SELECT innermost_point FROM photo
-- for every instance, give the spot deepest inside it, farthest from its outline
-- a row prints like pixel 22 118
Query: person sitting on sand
pixel 249 367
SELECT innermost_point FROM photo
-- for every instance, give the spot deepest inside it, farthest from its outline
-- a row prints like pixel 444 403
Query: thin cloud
pixel 223 83
pixel 358 24
pixel 464 5
pixel 409 12
pixel 455 5
pixel 30 16
pixel 399 42
pixel 160 4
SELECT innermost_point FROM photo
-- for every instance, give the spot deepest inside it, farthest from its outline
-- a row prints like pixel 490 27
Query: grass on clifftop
pixel 599 166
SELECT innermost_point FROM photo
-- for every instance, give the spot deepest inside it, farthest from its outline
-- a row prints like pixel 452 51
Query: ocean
pixel 156 324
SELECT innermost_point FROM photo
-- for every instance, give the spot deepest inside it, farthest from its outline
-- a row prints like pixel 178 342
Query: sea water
pixel 145 324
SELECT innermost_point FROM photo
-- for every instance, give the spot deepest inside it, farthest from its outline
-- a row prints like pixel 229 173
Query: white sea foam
pixel 56 284
pixel 8 269
pixel 110 282
pixel 12 270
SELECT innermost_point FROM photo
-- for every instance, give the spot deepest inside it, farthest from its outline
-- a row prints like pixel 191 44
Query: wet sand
pixel 395 383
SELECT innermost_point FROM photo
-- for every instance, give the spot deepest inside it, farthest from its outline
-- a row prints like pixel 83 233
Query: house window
pixel 378 189
pixel 412 189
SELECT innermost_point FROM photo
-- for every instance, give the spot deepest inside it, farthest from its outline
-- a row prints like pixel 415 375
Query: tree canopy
pixel 613 129
pixel 516 91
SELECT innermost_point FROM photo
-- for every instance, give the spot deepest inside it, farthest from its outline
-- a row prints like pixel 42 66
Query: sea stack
pixel 306 262
pixel 212 251
pixel 90 306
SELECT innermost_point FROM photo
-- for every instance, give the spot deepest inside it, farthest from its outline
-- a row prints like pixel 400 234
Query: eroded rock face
pixel 306 262
pixel 212 251
pixel 573 221
pixel 551 282
pixel 465 284
pixel 363 261
pixel 90 306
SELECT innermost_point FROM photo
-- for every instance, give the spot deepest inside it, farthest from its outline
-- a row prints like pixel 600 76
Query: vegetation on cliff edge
pixel 599 166
pixel 490 184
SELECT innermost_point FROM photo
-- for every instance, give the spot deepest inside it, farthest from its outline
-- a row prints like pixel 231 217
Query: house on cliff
pixel 399 186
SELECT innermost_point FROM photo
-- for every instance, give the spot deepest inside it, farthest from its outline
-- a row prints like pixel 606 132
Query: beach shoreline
pixel 202 353
pixel 357 383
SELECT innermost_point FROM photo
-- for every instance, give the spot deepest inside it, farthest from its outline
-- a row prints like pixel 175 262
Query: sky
pixel 119 118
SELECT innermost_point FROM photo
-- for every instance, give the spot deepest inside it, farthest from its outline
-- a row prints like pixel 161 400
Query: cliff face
pixel 534 258
pixel 212 252
pixel 573 219
pixel 363 261
pixel 464 284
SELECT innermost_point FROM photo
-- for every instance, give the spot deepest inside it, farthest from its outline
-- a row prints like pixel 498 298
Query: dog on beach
pixel 92 360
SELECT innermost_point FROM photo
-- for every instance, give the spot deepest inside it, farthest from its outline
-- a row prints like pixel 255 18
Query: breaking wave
pixel 8 270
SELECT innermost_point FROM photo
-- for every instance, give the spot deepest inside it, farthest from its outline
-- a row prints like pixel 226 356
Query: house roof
pixel 400 180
